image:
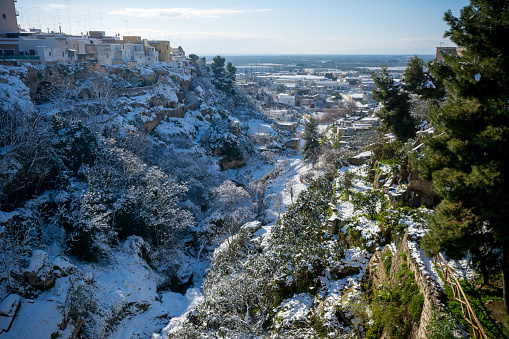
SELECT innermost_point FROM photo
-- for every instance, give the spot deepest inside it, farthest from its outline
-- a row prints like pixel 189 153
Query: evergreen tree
pixel 418 80
pixel 395 113
pixel 223 78
pixel 414 77
pixel 231 70
pixel 468 157
pixel 311 149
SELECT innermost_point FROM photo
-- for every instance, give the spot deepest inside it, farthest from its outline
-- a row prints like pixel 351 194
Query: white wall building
pixel 286 99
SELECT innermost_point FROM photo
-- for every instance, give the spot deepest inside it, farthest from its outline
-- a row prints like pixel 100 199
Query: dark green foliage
pixel 368 202
pixel 477 299
pixel 312 147
pixel 231 70
pixel 442 327
pixel 468 157
pixel 79 146
pixel 414 77
pixel 395 114
pixel 82 243
pixel 127 221
pixel 223 78
pixel 418 80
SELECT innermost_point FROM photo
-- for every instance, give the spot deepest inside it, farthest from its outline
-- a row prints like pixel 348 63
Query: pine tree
pixel 223 78
pixel 414 77
pixel 468 157
pixel 418 80
pixel 395 113
pixel 311 149
pixel 231 70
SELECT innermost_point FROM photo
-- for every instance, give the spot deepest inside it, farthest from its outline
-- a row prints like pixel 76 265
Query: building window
pixel 49 53
pixel 4 16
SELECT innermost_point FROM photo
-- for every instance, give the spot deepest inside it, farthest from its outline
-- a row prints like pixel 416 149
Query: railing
pixel 459 296
pixel 19 57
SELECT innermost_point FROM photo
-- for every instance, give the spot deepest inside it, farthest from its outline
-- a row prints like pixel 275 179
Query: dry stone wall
pixel 427 285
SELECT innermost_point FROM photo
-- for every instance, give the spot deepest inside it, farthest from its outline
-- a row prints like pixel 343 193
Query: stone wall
pixel 427 285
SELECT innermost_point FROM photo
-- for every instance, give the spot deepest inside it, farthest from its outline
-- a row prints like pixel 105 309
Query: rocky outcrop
pixel 40 272
pixel 62 267
pixel 379 180
pixel 419 191
pixel 229 162
pixel 360 159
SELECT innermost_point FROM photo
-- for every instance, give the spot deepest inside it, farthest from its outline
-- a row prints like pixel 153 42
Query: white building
pixel 334 85
pixel 286 99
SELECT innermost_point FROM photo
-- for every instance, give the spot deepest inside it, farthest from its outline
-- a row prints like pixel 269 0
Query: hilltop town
pixel 150 193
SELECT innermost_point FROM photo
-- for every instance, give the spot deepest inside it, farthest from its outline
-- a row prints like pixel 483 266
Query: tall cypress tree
pixel 395 113
pixel 312 148
pixel 468 158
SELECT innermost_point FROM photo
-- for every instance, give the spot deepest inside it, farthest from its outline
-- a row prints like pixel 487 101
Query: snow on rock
pixel 38 320
pixel 369 229
pixel 252 226
pixel 9 305
pixel 40 271
pixel 63 267
pixel 294 311
pixel 180 307
pixel 12 88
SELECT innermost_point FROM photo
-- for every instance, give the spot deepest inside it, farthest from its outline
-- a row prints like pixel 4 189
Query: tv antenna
pixel 102 27
pixel 69 18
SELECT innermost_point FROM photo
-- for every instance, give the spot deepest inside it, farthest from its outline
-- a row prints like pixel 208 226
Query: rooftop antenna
pixel 69 17
pixel 59 26
pixel 118 30
pixel 22 21
pixel 127 26
pixel 89 23
pixel 102 28
pixel 84 23
pixel 28 19
pixel 39 15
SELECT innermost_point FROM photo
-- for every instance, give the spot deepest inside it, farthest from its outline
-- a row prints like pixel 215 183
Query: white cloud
pixel 263 10
pixel 179 13
pixel 53 6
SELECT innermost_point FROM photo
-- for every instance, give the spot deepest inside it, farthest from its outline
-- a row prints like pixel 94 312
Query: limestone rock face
pixel 379 180
pixel 231 163
pixel 40 271
pixel 420 190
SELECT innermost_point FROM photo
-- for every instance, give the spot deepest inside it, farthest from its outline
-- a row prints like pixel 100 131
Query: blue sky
pixel 258 27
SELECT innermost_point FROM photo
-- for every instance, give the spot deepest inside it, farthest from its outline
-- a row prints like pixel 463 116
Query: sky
pixel 237 27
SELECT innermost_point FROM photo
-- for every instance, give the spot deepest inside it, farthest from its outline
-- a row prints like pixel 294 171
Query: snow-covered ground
pixel 292 168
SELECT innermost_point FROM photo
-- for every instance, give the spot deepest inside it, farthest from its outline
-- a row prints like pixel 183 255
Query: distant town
pixel 286 91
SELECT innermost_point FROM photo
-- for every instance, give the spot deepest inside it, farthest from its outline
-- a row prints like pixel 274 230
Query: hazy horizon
pixel 235 28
